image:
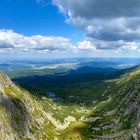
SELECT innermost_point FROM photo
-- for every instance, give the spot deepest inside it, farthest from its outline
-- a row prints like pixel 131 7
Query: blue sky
pixel 69 28
pixel 30 18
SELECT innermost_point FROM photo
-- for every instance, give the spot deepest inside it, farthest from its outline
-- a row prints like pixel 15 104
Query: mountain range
pixel 92 109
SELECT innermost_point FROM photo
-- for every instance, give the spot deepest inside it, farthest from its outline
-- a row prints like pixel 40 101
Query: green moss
pixel 11 91
pixel 126 122
pixel 33 129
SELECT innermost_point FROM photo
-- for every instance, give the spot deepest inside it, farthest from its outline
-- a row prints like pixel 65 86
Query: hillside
pixel 21 115
pixel 108 109
pixel 118 117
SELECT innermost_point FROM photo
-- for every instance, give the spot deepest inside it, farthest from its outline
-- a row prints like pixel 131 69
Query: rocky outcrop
pixel 19 113
pixel 4 80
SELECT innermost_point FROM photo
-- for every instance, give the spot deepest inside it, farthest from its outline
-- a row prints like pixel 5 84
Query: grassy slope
pixel 118 114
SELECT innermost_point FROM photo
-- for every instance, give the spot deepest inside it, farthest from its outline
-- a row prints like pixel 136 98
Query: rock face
pixel 19 113
pixel 4 80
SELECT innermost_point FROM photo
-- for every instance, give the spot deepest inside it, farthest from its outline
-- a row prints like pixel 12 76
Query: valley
pixel 72 106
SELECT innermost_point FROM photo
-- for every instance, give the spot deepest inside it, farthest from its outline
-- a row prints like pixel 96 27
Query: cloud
pixel 18 42
pixel 11 41
pixel 86 45
pixel 57 46
pixel 130 47
pixel 117 46
pixel 108 20
pixel 100 8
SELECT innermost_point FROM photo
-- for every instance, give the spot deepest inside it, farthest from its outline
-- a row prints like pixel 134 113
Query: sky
pixel 69 28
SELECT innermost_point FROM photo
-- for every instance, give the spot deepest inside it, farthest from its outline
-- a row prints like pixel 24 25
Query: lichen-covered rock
pixel 4 80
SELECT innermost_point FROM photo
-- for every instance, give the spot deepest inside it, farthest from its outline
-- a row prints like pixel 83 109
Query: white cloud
pixel 13 42
pixel 86 45
pixel 113 26
pixel 130 47
pixel 17 42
